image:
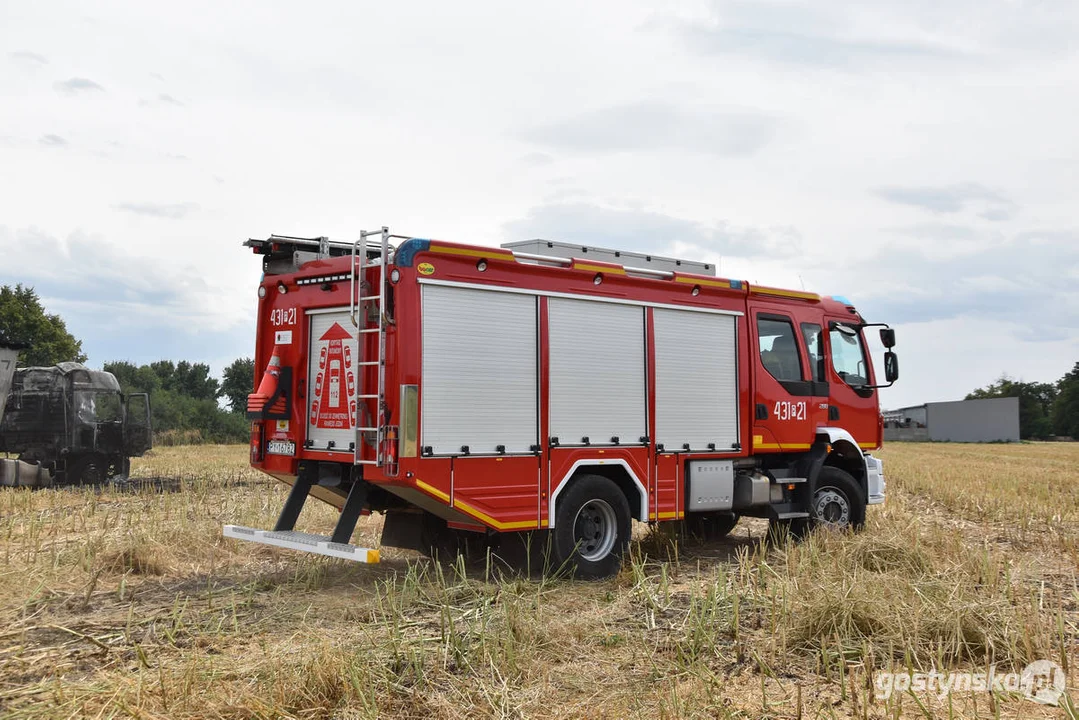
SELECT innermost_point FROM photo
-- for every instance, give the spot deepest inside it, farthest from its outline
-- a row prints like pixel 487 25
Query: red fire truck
pixel 475 392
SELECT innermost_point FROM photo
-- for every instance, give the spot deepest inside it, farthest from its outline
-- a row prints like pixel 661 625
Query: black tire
pixel 443 544
pixel 838 504
pixel 706 527
pixel 592 528
pixel 88 470
pixel 792 530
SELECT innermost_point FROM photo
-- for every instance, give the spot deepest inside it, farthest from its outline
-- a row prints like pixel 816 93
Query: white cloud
pixel 77 85
pixel 895 152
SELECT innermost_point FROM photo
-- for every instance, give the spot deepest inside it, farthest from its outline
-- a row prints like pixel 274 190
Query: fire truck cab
pixel 563 390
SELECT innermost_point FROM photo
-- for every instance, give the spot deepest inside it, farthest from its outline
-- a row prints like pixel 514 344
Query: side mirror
pixel 891 365
pixel 887 337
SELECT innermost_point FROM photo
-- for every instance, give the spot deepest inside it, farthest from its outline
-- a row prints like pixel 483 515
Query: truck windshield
pixel 848 354
pixel 98 407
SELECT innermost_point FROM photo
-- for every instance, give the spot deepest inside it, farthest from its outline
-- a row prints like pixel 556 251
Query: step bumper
pixel 304 542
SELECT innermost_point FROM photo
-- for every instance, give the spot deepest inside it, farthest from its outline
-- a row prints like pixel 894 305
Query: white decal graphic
pixel 789 411
pixel 328 409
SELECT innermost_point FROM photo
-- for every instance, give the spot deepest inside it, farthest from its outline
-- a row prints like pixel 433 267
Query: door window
pixel 848 354
pixel 779 349
pixel 811 333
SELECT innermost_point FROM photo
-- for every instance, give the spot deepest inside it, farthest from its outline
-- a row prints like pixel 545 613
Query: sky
pixel 917 157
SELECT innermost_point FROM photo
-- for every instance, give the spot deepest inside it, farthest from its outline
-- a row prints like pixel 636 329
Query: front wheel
pixel 592 527
pixel 89 470
pixel 838 504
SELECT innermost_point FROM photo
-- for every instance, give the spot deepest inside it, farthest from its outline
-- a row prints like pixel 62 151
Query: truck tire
pixel 709 526
pixel 838 504
pixel 88 470
pixel 592 528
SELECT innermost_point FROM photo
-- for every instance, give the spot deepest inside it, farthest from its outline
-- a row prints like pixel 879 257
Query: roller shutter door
pixel 597 372
pixel 696 380
pixel 479 371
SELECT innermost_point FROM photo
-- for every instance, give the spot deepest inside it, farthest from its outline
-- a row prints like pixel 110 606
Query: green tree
pixel 1066 407
pixel 183 397
pixel 23 321
pixel 1035 404
pixel 237 382
pixel 184 378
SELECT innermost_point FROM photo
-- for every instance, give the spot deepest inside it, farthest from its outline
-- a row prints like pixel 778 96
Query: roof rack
pixel 634 262
pixel 286 253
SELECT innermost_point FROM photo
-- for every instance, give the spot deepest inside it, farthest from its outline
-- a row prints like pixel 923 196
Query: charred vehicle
pixel 74 423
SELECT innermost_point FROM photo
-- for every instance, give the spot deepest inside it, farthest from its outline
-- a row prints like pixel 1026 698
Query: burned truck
pixel 74 423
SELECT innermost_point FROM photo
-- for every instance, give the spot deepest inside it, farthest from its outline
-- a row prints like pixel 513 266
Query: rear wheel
pixel 592 528
pixel 709 526
pixel 443 543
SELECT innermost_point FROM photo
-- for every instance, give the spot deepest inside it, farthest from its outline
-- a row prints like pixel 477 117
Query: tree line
pixel 1045 409
pixel 185 399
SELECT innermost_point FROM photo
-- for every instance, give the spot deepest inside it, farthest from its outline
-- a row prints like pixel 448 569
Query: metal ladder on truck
pixel 359 303
pixel 337 545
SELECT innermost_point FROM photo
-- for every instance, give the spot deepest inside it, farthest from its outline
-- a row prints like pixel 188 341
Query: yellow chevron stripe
pixel 784 446
pixel 493 253
pixel 517 525
pixel 613 269
pixel 430 490
pixel 703 281
pixel 798 295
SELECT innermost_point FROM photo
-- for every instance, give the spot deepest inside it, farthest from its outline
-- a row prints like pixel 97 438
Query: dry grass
pixel 131 604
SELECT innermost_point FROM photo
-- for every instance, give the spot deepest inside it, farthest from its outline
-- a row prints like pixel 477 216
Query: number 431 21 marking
pixel 786 410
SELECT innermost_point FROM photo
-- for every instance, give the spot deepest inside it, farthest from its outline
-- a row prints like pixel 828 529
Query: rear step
pixel 283 535
pixel 305 542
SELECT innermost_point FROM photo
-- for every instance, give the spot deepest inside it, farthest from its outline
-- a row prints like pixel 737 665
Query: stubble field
pixel 130 603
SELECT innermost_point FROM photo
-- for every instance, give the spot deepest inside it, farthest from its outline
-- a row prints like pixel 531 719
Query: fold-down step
pixel 304 542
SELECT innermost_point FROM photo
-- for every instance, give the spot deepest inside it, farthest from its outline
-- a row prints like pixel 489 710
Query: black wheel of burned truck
pixel 838 504
pixel 90 469
pixel 592 528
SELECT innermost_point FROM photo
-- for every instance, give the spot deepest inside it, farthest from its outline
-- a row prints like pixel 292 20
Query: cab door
pixel 786 402
pixel 853 403
pixel 812 334
pixel 138 431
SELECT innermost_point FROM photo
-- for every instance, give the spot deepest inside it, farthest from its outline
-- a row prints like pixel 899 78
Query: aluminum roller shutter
pixel 696 380
pixel 597 372
pixel 479 371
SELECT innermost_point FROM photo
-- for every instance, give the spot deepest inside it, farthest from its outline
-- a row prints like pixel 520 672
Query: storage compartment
pixel 331 381
pixel 696 380
pixel 480 384
pixel 711 485
pixel 597 366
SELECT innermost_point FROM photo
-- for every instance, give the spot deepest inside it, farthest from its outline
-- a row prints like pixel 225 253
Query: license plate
pixel 281 447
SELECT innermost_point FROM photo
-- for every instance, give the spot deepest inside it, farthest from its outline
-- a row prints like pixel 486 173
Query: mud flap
pixel 405 529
